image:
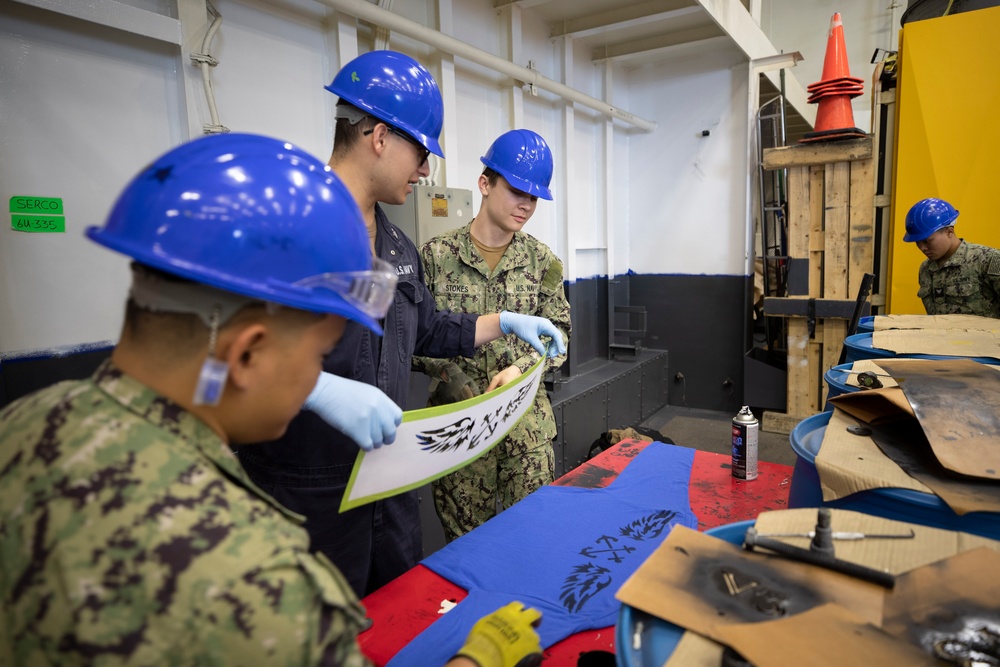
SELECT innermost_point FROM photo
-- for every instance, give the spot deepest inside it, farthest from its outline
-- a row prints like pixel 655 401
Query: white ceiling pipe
pixel 374 14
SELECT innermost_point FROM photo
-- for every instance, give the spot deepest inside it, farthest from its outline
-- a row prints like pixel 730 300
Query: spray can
pixel 745 445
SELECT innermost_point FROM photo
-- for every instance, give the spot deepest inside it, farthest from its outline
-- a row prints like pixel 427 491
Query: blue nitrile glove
pixel 361 411
pixel 528 328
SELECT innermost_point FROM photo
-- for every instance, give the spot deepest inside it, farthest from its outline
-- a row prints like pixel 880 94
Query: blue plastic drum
pixel 642 640
pixel 925 509
pixel 836 382
pixel 859 346
pixel 866 324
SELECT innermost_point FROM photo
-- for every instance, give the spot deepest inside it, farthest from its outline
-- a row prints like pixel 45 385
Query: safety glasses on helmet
pixel 371 292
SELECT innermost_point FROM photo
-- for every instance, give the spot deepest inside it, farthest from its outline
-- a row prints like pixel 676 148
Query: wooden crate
pixel 831 193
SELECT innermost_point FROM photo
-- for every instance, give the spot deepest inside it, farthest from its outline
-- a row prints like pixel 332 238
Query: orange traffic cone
pixel 834 115
pixel 835 63
pixel 833 93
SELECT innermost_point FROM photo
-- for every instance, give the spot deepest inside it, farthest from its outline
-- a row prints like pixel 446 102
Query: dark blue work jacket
pixel 308 468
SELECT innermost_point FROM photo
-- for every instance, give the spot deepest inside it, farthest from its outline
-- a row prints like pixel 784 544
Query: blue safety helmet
pixel 524 159
pixel 255 216
pixel 927 216
pixel 397 90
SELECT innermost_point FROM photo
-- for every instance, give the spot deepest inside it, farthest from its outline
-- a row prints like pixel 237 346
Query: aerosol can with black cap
pixel 745 427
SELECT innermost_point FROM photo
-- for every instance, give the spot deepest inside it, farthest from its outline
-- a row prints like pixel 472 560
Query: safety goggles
pixel 422 151
pixel 371 292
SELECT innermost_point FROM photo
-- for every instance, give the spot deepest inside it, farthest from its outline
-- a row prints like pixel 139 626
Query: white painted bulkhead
pixel 84 105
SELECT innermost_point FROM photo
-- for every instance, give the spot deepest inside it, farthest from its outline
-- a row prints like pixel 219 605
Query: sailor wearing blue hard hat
pixel 957 277
pixel 494 258
pixel 389 118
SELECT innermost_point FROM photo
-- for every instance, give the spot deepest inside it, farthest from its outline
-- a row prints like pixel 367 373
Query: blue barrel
pixel 866 324
pixel 642 640
pixel 859 346
pixel 836 382
pixel 925 509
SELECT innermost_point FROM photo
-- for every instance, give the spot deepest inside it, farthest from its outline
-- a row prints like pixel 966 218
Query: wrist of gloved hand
pixel 530 328
pixel 505 638
pixel 362 412
pixel 450 384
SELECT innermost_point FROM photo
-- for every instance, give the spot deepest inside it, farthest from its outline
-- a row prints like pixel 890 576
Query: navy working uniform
pixel 307 470
pixel 968 282
pixel 130 532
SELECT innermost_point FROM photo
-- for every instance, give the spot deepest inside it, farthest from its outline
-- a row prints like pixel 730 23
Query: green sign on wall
pixel 37 214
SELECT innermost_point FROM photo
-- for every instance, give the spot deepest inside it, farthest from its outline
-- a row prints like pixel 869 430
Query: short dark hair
pixel 346 135
pixel 492 175
pixel 184 334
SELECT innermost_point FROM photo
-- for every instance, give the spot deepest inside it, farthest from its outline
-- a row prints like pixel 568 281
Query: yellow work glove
pixel 505 638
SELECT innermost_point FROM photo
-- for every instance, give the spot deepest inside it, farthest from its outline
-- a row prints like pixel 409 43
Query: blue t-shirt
pixel 562 550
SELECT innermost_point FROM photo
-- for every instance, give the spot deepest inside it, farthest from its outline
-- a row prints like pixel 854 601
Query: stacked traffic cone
pixel 833 93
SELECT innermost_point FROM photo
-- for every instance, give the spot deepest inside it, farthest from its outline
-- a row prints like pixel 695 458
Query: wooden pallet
pixel 831 191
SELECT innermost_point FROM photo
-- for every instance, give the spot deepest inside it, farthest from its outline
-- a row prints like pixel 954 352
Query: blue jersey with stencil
pixel 563 550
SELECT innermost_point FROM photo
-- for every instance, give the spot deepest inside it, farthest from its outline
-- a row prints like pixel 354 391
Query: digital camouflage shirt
pixel 528 280
pixel 968 282
pixel 130 534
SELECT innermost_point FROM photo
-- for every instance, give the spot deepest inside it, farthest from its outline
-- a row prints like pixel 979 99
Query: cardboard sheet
pixel 953 604
pixel 875 406
pixel 849 463
pixel 826 633
pixel 705 584
pixel 897 556
pixel 693 650
pixel 826 636
pixel 967 322
pixel 956 403
pixel 948 342
pixel 830 634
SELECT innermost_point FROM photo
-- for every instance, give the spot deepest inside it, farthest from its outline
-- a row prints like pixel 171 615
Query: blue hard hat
pixel 255 216
pixel 397 90
pixel 524 159
pixel 927 216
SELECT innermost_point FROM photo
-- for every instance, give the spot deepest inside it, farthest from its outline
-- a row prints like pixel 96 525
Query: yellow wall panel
pixel 947 137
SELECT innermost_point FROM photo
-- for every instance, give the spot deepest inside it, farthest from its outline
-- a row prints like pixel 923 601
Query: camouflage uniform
pixel 131 535
pixel 528 280
pixel 968 282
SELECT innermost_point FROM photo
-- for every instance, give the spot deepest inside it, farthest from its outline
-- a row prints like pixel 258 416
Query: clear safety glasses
pixel 370 292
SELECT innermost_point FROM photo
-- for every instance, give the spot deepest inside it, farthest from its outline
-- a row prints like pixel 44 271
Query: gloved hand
pixel 360 410
pixel 450 385
pixel 505 638
pixel 528 328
